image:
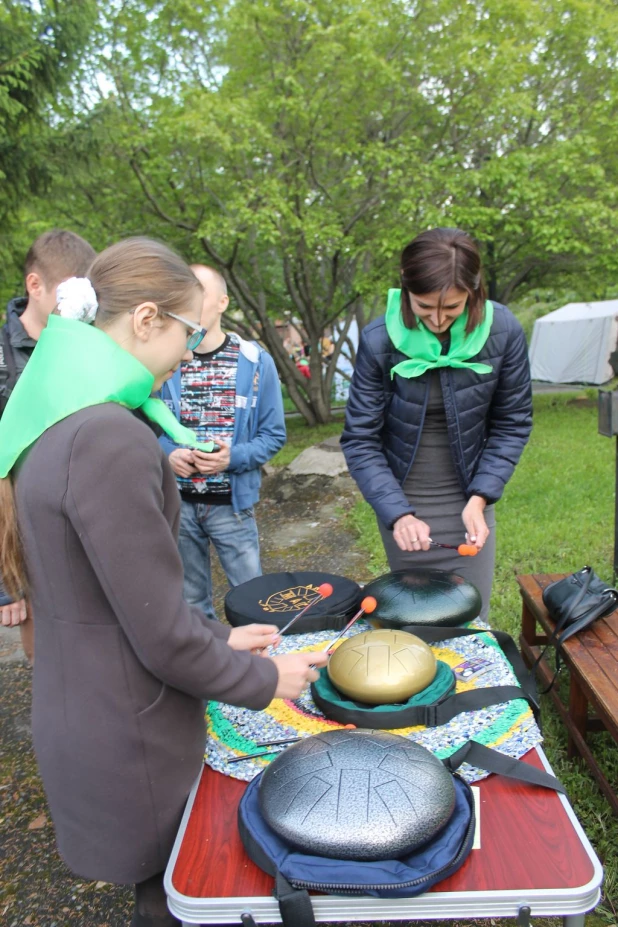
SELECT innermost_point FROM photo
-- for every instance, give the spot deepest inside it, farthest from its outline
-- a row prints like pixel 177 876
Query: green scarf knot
pixel 424 349
pixel 73 366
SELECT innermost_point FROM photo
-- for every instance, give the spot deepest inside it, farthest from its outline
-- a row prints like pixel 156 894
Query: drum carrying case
pixel 364 812
pixel 437 704
pixel 275 598
pixel 422 596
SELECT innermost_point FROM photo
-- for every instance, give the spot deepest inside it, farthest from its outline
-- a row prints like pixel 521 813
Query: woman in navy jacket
pixel 440 410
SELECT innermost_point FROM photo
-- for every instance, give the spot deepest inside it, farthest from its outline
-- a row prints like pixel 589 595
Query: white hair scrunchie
pixel 76 299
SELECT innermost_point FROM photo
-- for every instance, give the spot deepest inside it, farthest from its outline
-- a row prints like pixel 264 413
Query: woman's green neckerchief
pixel 424 349
pixel 75 365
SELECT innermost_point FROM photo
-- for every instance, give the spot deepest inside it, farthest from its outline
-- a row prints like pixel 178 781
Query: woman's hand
pixel 296 672
pixel 254 637
pixel 411 533
pixel 13 614
pixel 473 517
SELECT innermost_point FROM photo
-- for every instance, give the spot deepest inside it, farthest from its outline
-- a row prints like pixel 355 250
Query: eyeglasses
pixel 197 332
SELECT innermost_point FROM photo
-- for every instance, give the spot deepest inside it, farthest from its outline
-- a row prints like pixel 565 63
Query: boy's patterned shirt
pixel 208 407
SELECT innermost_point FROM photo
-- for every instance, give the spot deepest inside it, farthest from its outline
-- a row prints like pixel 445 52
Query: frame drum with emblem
pixel 275 598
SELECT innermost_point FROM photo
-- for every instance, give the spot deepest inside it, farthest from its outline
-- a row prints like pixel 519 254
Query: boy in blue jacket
pixel 228 393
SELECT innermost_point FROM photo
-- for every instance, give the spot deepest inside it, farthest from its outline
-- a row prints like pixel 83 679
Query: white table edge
pixel 569 903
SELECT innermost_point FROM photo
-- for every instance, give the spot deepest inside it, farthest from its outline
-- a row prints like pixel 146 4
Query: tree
pixel 529 94
pixel 40 46
pixel 279 183
pixel 297 145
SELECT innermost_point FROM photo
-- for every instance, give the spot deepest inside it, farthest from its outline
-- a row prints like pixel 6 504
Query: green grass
pixel 556 515
pixel 288 405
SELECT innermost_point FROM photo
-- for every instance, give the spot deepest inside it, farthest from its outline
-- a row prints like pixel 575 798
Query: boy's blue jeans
pixel 235 538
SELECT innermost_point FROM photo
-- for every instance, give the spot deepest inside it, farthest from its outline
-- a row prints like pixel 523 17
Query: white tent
pixel 573 344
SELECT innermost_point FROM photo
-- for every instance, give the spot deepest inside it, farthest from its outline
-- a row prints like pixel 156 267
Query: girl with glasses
pixel 89 513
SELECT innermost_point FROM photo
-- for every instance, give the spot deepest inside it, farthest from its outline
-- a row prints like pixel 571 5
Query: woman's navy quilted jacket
pixel 489 416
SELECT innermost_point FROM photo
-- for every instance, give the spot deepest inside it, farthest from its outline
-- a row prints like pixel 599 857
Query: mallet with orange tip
pixel 466 550
pixel 323 593
pixel 368 605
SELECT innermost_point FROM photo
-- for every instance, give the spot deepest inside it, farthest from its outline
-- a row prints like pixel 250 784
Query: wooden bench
pixel 592 660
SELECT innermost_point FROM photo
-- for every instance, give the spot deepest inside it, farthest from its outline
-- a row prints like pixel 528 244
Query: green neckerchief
pixel 423 347
pixel 75 365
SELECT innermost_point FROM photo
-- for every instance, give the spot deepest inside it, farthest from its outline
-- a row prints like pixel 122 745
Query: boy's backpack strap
pixel 294 904
pixel 485 758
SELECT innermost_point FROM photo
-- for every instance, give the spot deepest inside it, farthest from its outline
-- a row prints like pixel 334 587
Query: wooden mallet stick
pixel 368 605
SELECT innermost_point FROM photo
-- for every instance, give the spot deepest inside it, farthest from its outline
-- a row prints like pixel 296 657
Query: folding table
pixel 534 860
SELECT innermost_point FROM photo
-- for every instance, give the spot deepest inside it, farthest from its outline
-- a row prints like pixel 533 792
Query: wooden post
pixel 616 519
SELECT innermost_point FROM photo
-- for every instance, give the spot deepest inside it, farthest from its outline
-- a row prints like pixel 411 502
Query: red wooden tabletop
pixel 527 842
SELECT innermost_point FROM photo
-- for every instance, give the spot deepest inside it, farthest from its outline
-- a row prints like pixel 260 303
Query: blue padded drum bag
pixel 411 860
pixel 439 852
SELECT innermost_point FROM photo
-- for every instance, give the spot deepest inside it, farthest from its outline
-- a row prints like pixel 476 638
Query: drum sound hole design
pixel 382 667
pixel 362 795
pixel 419 596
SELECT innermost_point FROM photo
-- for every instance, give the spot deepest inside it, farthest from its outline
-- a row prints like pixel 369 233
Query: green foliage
pixel 299 144
pixel 40 44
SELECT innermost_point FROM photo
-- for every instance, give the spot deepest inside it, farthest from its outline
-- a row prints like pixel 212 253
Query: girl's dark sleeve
pixel 114 500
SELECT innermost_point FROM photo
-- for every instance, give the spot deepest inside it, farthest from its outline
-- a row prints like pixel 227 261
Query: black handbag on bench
pixel 574 603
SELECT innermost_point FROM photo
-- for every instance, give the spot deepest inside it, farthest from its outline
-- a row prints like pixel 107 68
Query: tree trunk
pixel 492 281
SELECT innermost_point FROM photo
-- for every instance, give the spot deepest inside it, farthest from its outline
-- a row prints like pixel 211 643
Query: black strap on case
pixel 524 677
pixel 294 904
pixel 485 758
pixel 427 715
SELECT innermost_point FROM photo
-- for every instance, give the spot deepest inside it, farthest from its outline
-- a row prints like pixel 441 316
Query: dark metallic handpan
pixel 417 596
pixel 363 795
pixel 382 667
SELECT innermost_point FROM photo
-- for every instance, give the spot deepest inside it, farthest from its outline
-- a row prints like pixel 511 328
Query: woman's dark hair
pixel 436 261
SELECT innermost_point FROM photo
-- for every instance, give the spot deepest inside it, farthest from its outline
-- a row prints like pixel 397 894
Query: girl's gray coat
pixel 122 663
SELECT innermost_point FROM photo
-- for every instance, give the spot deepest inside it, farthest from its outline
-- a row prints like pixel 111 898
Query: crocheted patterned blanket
pixel 477 662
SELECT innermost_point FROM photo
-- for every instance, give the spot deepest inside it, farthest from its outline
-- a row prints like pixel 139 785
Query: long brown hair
pixel 12 563
pixel 128 273
pixel 139 270
pixel 436 261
